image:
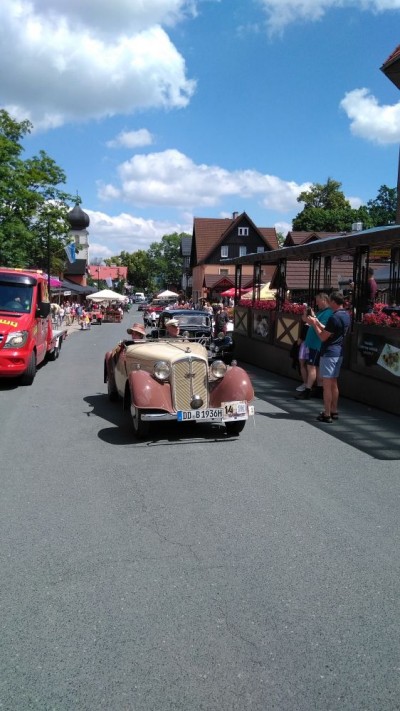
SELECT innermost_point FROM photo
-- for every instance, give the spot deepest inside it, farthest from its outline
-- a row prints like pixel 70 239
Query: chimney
pixel 234 215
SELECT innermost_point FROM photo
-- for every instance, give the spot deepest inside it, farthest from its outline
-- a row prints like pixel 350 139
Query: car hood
pixel 164 350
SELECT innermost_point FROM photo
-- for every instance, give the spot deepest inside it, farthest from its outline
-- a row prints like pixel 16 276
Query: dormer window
pixel 260 249
pixel 224 252
pixel 243 231
pixel 242 251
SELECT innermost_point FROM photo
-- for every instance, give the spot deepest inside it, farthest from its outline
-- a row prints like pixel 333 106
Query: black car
pixel 197 326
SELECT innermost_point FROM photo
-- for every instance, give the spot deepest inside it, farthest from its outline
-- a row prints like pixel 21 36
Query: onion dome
pixel 78 219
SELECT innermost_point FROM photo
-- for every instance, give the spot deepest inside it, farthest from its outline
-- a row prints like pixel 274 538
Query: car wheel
pixel 140 428
pixel 29 375
pixel 112 390
pixel 235 428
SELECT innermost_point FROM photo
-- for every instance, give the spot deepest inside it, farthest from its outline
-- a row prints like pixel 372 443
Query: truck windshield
pixel 16 298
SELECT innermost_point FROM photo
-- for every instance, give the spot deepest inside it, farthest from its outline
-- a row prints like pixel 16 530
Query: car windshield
pixel 192 321
pixel 15 297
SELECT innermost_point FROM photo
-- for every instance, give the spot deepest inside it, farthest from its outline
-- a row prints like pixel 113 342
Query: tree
pixel 382 210
pixel 33 209
pixel 327 197
pixel 325 209
pixel 166 261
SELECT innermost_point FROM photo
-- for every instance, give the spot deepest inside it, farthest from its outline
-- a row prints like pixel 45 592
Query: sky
pixel 160 111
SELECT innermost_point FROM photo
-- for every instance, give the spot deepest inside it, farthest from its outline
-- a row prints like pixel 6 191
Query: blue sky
pixel 161 110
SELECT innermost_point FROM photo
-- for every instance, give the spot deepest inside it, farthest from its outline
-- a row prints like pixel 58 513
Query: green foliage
pixel 382 210
pixel 157 268
pixel 327 210
pixel 33 209
pixel 326 197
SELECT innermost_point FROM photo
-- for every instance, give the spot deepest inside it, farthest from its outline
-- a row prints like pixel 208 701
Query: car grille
pixel 189 377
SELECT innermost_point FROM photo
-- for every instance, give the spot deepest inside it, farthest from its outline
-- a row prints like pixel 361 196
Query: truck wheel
pixel 140 428
pixel 56 350
pixel 29 375
pixel 235 428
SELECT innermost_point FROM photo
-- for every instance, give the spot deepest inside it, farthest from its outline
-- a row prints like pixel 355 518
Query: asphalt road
pixel 194 572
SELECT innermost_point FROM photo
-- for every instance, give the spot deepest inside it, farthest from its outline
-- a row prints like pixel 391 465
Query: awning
pixel 73 288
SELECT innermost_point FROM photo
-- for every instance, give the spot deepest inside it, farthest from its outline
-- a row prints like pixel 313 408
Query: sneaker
pixel 301 387
pixel 304 395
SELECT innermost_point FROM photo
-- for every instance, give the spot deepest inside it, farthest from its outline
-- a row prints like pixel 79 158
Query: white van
pixel 139 296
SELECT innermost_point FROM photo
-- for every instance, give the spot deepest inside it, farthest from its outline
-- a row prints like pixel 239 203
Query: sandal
pixel 334 415
pixel 325 418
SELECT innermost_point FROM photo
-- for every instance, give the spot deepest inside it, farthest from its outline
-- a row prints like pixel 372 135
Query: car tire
pixel 235 428
pixel 29 375
pixel 112 390
pixel 140 428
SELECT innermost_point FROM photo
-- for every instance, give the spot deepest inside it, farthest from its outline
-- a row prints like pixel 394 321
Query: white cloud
pixel 281 13
pixel 108 236
pixel 131 139
pixel 172 179
pixel 283 227
pixel 70 61
pixel 380 124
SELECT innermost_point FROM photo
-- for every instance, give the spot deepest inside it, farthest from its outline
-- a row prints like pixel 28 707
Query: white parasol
pixel 166 294
pixel 106 295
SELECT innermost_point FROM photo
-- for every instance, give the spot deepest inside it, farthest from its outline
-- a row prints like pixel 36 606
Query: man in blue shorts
pixel 331 355
pixel 313 344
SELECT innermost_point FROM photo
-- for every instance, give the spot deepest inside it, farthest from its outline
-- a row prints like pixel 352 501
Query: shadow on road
pixel 166 433
pixel 372 431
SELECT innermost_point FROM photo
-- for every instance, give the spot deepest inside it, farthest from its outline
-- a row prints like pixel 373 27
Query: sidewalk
pixel 368 429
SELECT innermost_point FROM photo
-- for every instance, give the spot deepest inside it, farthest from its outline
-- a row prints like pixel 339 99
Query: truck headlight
pixel 17 339
pixel 218 369
pixel 161 370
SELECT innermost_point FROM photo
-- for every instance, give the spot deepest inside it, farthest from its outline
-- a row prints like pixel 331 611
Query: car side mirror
pixel 43 309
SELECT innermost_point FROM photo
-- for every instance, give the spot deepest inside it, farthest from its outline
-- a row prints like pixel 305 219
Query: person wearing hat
pixel 172 328
pixel 137 332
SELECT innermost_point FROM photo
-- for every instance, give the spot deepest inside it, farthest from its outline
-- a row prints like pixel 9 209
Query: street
pixel 192 571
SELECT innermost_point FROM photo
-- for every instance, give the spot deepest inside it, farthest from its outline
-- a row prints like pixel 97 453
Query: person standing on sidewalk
pixel 313 345
pixel 331 355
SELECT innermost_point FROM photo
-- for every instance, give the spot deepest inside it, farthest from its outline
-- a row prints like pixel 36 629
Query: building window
pixel 243 231
pixel 224 252
pixel 224 272
pixel 242 251
pixel 260 249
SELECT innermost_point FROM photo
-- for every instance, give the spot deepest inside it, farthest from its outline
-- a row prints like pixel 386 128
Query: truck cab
pixel 26 334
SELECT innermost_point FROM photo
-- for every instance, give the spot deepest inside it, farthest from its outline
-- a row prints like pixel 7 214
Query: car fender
pixel 235 385
pixel 148 393
pixel 108 366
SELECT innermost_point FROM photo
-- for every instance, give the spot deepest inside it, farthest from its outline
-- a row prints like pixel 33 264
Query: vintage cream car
pixel 171 379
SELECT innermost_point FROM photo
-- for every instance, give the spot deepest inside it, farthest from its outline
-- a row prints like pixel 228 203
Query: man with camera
pixel 332 337
pixel 313 342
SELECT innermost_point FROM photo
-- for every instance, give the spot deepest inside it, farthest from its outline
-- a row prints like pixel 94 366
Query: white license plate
pixel 234 410
pixel 207 415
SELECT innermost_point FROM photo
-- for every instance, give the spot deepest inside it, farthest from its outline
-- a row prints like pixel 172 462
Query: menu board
pixel 379 354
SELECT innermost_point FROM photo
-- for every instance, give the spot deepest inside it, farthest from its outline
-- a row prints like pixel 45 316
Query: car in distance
pixel 171 380
pixel 197 325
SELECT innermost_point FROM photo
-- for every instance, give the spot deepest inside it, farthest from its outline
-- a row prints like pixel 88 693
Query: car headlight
pixel 16 339
pixel 161 370
pixel 218 369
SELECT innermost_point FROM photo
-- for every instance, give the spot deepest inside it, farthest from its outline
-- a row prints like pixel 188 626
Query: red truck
pixel 27 336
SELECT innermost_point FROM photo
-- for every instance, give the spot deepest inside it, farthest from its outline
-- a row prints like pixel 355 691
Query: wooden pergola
pixel 359 246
